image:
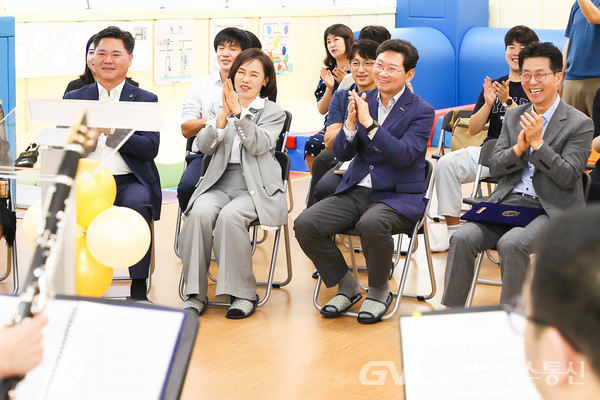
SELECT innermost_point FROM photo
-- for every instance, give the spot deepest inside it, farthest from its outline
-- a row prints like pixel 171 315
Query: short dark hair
pixel 377 33
pixel 365 48
pixel 114 32
pixel 520 34
pixel 254 40
pixel 234 36
pixel 268 69
pixel 566 280
pixel 542 49
pixel 87 77
pixel 410 53
pixel 342 31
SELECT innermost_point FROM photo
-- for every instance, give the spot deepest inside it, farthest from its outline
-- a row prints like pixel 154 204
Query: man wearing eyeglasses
pixel 540 157
pixel 562 306
pixel 460 166
pixel 386 132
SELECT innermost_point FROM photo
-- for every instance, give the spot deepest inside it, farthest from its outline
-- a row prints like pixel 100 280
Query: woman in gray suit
pixel 242 183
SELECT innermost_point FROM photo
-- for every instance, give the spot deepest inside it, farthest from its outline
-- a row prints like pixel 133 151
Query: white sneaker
pixel 442 245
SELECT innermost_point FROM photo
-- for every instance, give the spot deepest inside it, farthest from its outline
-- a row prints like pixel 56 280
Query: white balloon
pixel 118 237
pixel 32 223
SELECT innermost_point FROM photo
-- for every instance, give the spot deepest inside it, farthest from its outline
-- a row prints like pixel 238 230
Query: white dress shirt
pixel 115 163
pixel 525 185
pixel 382 114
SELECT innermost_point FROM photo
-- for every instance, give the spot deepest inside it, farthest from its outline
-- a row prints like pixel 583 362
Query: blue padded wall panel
pixel 426 9
pixel 435 75
pixel 482 54
pixel 7 75
pixel 451 17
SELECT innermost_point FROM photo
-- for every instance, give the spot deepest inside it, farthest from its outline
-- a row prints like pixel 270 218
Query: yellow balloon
pixel 32 223
pixel 118 237
pixel 93 278
pixel 93 195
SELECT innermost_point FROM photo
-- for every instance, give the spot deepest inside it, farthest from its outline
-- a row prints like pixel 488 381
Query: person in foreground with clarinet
pixel 21 346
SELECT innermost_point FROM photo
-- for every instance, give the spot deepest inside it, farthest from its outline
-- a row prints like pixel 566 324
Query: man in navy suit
pixel 138 183
pixel 386 131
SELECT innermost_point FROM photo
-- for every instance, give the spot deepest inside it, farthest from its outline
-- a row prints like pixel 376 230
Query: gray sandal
pixel 339 304
pixel 194 304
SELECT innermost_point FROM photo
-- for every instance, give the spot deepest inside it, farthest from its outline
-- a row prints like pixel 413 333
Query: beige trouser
pixel 580 93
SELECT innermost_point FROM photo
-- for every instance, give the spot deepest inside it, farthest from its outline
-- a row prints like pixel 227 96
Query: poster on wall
pixel 276 38
pixel 216 26
pixel 60 47
pixel 174 51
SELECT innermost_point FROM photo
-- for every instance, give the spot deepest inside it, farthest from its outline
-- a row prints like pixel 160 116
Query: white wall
pixel 295 91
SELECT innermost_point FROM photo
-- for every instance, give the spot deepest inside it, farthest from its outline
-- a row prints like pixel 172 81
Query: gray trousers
pixel 514 245
pixel 226 208
pixel 374 223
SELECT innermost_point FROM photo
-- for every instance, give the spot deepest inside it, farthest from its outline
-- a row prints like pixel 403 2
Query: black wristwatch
pixel 374 125
pixel 508 102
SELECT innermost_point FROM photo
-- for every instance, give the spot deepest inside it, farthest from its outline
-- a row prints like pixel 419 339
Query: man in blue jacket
pixel 386 132
pixel 136 175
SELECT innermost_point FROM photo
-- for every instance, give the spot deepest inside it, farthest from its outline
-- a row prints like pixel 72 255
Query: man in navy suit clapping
pixel 386 131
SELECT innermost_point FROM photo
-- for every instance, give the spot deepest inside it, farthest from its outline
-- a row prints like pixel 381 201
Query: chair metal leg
pixel 288 259
pixel 8 264
pixel 291 198
pixel 11 253
pixel 316 293
pixel 181 283
pixel 492 258
pixel 15 268
pixel 411 250
pixel 12 265
pixel 474 281
pixel 354 266
pixel 262 239
pixel 177 230
pixel 400 293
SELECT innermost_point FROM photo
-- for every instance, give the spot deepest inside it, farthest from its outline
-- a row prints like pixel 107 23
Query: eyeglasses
pixel 518 318
pixel 539 77
pixel 357 64
pixel 390 69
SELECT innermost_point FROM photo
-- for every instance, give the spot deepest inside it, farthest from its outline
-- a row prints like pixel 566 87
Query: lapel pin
pixel 402 108
pixel 130 96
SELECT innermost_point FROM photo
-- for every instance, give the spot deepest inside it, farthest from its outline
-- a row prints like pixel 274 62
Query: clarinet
pixel 48 244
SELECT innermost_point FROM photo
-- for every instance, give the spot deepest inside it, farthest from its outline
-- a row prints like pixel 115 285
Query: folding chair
pixel 484 161
pixel 587 181
pixel 188 151
pixel 447 126
pixel 419 227
pixel 280 146
pixel 11 251
pixel 284 162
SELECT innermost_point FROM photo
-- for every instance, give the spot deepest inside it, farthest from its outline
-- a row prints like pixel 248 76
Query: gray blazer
pixel 559 163
pixel 259 165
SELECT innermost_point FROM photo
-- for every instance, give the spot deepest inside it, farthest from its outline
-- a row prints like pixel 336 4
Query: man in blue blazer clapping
pixel 386 131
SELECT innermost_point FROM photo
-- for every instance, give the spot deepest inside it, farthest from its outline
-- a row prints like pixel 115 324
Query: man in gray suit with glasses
pixel 540 157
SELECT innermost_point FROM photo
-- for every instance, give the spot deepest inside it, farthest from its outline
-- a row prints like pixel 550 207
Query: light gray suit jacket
pixel 261 169
pixel 559 163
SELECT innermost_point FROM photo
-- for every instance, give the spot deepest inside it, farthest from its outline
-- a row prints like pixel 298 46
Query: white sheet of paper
pixel 141 116
pixel 463 356
pixel 110 351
